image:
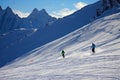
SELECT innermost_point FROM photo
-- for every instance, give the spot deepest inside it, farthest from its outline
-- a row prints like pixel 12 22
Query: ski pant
pixel 63 55
pixel 93 50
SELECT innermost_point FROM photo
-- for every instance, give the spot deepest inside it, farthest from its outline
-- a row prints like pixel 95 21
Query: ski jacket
pixel 93 45
pixel 62 52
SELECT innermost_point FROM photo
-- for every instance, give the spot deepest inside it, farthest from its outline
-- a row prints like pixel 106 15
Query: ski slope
pixel 46 62
pixel 23 41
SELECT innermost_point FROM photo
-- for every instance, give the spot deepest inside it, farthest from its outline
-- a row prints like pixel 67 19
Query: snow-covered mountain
pixel 46 62
pixel 8 20
pixel 37 19
pixel 76 20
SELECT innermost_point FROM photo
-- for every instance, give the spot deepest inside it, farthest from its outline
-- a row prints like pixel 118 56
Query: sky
pixel 56 8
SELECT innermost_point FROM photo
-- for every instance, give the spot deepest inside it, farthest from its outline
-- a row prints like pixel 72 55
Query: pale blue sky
pixel 51 6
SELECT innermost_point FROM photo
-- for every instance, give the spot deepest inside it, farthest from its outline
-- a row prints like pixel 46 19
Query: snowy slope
pixel 74 21
pixel 42 36
pixel 46 63
pixel 10 44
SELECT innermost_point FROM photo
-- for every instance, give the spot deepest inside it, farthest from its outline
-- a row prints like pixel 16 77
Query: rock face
pixel 10 21
pixel 38 19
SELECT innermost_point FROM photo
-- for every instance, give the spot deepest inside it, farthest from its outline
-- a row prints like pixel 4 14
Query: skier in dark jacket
pixel 63 53
pixel 93 47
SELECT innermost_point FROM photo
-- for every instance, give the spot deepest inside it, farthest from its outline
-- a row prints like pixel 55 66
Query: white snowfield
pixel 46 62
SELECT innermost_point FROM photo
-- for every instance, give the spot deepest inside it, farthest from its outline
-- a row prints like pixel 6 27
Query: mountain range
pixel 10 21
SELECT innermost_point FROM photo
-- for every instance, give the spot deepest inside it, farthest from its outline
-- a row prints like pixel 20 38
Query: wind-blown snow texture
pixel 46 63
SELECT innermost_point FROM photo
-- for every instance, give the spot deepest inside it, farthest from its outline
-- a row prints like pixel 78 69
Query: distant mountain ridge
pixel 37 19
pixel 41 19
pixel 10 21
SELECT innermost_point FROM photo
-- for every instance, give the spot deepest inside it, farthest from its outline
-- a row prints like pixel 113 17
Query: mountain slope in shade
pixel 46 62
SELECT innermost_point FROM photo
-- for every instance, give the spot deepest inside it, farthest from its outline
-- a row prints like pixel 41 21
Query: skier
pixel 63 53
pixel 93 47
